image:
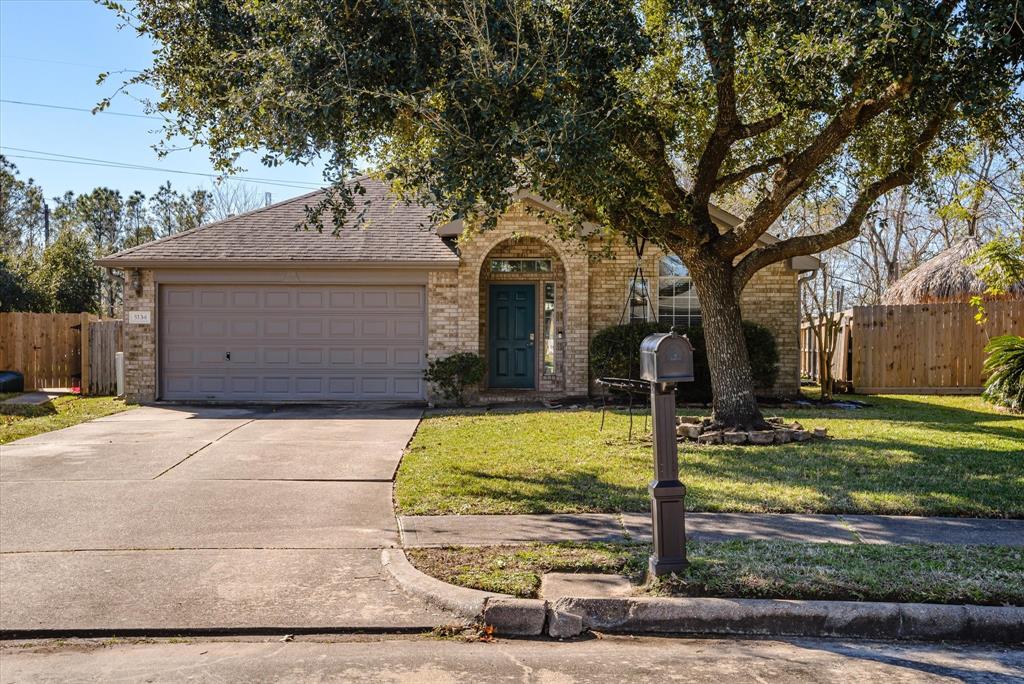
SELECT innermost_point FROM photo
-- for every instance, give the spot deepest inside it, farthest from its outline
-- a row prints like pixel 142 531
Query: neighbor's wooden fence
pixel 104 340
pixel 926 348
pixel 61 350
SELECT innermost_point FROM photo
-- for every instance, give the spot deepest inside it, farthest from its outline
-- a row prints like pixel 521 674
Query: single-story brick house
pixel 251 309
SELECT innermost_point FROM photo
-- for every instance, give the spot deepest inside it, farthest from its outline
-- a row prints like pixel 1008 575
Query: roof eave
pixel 447 264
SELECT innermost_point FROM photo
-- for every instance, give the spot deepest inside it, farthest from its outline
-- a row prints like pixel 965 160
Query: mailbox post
pixel 666 359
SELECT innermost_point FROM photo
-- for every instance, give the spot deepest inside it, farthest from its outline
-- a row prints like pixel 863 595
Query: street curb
pixel 506 614
pixel 770 617
pixel 466 603
pixel 569 617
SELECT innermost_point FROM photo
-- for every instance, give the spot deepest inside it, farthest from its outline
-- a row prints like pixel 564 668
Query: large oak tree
pixel 633 115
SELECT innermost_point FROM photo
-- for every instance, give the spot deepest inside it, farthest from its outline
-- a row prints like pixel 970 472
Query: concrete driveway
pixel 198 518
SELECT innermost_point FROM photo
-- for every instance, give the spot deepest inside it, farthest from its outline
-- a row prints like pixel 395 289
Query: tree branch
pixel 756 128
pixel 746 172
pixel 653 152
pixel 848 229
pixel 721 56
pixel 792 178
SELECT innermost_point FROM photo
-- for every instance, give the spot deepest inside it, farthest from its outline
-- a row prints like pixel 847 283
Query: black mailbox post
pixel 666 359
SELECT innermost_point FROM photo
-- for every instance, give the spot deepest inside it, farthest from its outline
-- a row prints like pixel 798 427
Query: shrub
pixel 1004 368
pixel 453 374
pixel 615 353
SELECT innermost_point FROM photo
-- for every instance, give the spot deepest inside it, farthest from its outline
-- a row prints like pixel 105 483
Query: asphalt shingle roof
pixel 389 231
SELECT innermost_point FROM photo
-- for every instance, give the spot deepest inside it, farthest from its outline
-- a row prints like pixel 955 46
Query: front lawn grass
pixel 904 455
pixel 18 421
pixel 982 575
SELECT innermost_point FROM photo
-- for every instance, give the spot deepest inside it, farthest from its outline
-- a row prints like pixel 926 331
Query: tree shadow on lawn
pixel 904 409
pixel 565 492
pixel 924 481
pixel 857 476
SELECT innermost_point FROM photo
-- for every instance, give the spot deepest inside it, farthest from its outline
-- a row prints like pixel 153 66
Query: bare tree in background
pixel 228 199
pixel 981 194
pixel 895 241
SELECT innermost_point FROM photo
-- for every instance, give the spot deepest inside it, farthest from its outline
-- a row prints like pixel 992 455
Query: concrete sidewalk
pixel 487 530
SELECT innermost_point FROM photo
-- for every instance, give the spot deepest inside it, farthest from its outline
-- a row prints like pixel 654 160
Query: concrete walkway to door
pixel 176 518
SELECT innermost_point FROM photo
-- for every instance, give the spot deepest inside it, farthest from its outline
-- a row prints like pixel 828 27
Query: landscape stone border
pixel 703 430
pixel 569 617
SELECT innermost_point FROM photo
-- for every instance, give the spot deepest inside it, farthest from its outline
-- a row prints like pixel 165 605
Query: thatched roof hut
pixel 944 278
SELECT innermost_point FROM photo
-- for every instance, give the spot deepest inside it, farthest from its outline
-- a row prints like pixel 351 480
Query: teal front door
pixel 511 330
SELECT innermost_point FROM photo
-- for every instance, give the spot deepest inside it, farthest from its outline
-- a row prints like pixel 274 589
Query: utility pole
pixel 46 224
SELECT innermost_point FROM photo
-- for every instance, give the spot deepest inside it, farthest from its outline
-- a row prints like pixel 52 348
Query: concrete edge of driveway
pixel 508 615
pixel 569 617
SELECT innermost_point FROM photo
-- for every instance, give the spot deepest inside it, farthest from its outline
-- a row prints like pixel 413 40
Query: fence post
pixel 86 357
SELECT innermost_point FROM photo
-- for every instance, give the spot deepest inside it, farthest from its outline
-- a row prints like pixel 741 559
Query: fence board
pixel 926 347
pixel 45 348
pixel 105 340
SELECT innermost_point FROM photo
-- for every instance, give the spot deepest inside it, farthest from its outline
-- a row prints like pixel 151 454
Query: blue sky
pixel 51 52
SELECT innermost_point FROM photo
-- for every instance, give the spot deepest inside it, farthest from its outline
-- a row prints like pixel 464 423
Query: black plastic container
pixel 12 381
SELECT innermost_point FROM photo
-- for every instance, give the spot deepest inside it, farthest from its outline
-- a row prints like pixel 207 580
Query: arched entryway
pixel 522 298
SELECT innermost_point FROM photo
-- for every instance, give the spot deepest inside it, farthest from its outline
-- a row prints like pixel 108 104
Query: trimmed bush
pixel 453 374
pixel 615 353
pixel 1004 368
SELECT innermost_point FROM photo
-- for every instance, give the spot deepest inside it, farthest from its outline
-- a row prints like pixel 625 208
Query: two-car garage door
pixel 292 342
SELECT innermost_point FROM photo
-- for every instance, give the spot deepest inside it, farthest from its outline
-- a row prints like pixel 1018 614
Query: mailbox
pixel 666 357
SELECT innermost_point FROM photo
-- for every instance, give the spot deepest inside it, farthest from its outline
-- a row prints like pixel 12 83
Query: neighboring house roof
pixel 946 277
pixel 388 233
pixel 383 231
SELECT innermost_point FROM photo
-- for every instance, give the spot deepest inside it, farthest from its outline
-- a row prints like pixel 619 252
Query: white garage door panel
pixel 292 342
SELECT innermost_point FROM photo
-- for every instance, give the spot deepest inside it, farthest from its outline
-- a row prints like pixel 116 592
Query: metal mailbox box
pixel 666 357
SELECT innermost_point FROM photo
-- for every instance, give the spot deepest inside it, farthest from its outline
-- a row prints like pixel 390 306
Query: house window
pixel 520 265
pixel 677 300
pixel 549 328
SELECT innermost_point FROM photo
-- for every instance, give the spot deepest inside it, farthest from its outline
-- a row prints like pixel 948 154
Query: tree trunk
pixel 732 382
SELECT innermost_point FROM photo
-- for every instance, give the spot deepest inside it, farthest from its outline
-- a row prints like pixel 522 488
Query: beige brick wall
pixel 140 341
pixel 772 299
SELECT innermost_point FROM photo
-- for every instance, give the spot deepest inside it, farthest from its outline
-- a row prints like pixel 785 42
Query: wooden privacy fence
pixel 61 350
pixel 99 376
pixel 926 348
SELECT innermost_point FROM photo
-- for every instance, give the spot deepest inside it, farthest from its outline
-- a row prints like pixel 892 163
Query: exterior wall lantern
pixel 665 360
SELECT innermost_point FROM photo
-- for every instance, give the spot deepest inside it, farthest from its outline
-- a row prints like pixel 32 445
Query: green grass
pixel 20 421
pixel 905 455
pixel 984 575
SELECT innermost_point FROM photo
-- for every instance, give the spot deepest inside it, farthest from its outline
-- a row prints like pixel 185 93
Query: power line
pixel 85 161
pixel 81 109
pixel 143 167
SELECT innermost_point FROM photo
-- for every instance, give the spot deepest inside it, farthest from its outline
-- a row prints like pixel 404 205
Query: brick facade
pixel 140 340
pixel 591 284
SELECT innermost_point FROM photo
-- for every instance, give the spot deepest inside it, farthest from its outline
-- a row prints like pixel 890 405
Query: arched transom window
pixel 677 300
